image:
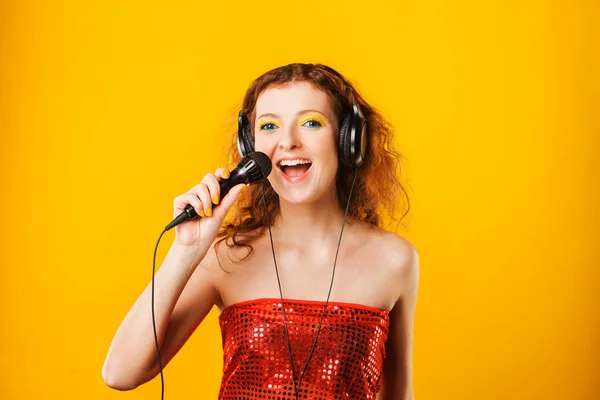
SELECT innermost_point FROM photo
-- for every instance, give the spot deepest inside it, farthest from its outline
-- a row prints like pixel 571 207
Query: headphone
pixel 352 140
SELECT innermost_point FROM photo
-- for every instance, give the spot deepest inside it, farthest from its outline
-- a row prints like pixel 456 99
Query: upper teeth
pixel 293 162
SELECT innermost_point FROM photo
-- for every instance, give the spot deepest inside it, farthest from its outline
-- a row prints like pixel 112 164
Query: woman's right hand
pixel 202 231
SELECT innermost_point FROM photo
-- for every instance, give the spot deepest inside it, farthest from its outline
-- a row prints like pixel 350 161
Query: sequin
pixel 346 364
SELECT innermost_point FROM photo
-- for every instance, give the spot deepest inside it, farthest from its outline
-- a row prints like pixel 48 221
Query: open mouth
pixel 294 169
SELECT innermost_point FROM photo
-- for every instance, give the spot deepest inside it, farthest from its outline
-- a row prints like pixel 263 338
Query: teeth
pixel 284 163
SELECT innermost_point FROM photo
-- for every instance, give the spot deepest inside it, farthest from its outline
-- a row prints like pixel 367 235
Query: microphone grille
pixel 258 166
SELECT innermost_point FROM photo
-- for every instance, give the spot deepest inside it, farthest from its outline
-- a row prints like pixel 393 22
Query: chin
pixel 305 194
pixel 298 196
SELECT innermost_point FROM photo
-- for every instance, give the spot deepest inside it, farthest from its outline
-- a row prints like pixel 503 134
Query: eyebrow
pixel 298 113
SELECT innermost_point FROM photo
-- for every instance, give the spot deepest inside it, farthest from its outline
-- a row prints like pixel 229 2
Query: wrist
pixel 186 256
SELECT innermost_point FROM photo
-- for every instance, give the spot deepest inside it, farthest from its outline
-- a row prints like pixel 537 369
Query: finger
pixel 180 202
pixel 201 190
pixel 222 173
pixel 211 181
pixel 229 200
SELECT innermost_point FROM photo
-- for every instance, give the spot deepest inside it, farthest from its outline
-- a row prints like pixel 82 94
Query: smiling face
pixel 296 127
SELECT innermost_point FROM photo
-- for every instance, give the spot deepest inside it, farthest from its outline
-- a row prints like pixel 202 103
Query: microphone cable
pixel 287 335
pixel 162 379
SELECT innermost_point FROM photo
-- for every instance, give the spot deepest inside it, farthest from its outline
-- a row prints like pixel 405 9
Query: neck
pixel 309 224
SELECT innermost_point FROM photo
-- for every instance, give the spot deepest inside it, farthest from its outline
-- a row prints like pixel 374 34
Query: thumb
pixel 228 201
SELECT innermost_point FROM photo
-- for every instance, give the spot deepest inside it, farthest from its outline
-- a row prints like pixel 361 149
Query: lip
pixel 294 179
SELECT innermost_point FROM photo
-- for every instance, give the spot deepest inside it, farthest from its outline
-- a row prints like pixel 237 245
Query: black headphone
pixel 352 140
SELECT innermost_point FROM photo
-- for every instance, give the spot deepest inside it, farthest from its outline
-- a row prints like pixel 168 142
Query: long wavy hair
pixel 377 185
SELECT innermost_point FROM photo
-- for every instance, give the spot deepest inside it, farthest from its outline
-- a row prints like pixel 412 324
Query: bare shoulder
pixel 398 253
pixel 399 258
pixel 401 255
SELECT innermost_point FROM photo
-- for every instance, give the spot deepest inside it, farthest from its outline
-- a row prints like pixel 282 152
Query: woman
pixel 335 318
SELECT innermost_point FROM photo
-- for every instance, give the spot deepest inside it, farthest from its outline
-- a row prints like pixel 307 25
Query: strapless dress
pixel 346 364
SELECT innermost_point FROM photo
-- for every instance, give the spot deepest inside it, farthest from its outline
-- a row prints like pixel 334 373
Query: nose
pixel 289 139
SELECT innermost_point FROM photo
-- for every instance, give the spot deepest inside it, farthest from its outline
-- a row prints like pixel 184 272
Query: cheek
pixel 263 144
pixel 326 148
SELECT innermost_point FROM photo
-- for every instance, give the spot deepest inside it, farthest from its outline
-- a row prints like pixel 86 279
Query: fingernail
pixel 216 200
pixel 226 174
pixel 209 212
pixel 202 214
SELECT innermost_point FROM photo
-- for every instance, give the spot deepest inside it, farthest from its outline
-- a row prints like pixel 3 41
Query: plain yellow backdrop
pixel 108 110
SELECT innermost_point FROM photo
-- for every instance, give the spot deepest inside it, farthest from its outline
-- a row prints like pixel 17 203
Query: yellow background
pixel 108 110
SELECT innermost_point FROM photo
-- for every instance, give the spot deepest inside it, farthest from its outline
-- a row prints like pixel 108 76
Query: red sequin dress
pixel 346 364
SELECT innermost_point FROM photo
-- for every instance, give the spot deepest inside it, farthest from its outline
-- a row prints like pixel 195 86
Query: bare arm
pixel 184 294
pixel 397 368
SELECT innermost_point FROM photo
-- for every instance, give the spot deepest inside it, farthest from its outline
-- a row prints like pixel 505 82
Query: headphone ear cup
pixel 245 142
pixel 357 137
pixel 344 151
pixel 248 138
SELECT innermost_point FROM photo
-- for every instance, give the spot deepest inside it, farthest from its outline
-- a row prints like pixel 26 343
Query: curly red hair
pixel 378 180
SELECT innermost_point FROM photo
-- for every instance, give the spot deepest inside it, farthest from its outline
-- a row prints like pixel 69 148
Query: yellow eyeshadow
pixel 265 121
pixel 313 116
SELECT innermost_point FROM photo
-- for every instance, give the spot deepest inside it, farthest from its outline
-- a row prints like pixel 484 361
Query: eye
pixel 311 123
pixel 269 126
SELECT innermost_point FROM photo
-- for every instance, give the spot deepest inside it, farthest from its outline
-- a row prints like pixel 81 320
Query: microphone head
pixel 256 167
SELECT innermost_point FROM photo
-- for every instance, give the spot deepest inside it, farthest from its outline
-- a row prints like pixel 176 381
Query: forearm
pixel 132 352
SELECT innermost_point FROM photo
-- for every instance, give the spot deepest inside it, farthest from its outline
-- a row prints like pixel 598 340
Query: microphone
pixel 253 168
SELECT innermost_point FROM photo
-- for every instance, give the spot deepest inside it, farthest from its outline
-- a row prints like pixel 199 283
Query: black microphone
pixel 253 168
